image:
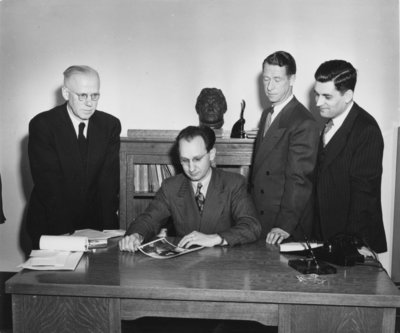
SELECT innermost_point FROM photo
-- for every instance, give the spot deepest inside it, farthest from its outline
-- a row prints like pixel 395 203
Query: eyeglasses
pixel 84 97
pixel 195 160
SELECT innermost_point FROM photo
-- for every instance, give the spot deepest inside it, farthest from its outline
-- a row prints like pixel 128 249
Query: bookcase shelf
pixel 157 147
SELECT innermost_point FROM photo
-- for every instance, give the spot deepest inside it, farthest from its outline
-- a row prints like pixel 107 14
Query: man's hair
pixel 78 69
pixel 204 132
pixel 342 73
pixel 281 59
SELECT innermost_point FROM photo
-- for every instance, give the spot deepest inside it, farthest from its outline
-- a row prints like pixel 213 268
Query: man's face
pixel 278 85
pixel 79 84
pixel 330 101
pixel 194 158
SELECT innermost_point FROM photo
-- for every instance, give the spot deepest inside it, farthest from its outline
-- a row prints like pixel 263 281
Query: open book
pixel 161 248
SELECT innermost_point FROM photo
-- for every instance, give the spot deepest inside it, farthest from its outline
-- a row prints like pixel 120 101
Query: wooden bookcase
pixel 158 147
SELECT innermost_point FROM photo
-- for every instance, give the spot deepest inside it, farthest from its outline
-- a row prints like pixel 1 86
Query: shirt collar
pixel 205 182
pixel 76 121
pixel 278 108
pixel 338 120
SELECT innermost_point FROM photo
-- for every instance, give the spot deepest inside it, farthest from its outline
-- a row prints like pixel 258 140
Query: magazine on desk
pixel 161 248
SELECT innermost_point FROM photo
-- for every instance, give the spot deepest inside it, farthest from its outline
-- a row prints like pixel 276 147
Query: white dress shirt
pixel 337 122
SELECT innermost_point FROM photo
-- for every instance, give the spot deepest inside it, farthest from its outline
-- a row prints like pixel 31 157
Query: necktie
pixel 268 121
pixel 82 143
pixel 199 198
pixel 327 128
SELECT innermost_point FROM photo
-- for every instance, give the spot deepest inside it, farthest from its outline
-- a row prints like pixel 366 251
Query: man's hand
pixel 130 243
pixel 276 236
pixel 198 238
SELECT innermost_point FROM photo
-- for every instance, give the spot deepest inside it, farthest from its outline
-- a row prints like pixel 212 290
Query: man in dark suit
pixel 348 187
pixel 208 206
pixel 74 159
pixel 284 157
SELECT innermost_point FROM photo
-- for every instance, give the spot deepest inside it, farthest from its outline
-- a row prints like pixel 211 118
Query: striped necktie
pixel 327 128
pixel 268 120
pixel 199 198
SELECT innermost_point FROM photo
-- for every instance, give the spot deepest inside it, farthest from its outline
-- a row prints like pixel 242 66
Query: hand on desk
pixel 130 243
pixel 198 238
pixel 276 236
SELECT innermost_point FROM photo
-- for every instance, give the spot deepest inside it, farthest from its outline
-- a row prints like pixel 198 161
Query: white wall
pixel 154 57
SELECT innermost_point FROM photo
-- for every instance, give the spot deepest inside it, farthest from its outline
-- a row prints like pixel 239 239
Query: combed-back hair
pixel 204 132
pixel 79 69
pixel 341 72
pixel 281 59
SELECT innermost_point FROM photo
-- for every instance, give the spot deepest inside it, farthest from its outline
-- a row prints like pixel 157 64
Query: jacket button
pixel 261 212
pixel 262 191
pixel 267 173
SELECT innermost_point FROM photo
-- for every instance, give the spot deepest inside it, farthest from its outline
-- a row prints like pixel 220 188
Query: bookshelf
pixel 149 149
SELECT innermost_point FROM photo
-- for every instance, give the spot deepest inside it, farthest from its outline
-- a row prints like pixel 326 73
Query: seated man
pixel 208 206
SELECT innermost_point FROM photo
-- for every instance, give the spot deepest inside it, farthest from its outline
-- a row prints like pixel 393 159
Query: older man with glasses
pixel 73 153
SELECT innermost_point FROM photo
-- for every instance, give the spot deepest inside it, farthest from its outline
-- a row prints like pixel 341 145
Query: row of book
pixel 147 178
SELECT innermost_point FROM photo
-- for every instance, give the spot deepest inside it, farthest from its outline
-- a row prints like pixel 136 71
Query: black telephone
pixel 341 250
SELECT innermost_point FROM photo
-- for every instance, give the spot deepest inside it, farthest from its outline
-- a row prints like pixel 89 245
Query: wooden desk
pixel 251 282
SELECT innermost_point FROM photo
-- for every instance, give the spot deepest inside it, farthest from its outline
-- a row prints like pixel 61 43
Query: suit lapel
pixel 212 208
pixel 95 143
pixel 340 138
pixel 214 203
pixel 186 204
pixel 266 144
pixel 67 139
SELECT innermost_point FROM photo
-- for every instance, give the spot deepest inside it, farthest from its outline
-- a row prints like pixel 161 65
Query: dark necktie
pixel 327 128
pixel 268 120
pixel 199 198
pixel 82 143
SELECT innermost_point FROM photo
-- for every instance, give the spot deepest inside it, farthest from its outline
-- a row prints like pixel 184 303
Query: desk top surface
pixel 250 273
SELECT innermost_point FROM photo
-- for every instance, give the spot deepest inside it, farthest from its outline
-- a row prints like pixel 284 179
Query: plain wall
pixel 155 56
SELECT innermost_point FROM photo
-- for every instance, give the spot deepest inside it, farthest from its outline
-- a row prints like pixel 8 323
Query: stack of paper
pixel 64 252
pixel 57 253
pixel 52 260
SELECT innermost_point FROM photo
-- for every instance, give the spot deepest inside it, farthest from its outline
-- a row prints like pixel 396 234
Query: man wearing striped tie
pixel 209 207
pixel 348 187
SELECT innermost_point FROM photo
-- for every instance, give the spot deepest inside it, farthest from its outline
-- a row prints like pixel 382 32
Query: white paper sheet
pixel 297 246
pixel 63 243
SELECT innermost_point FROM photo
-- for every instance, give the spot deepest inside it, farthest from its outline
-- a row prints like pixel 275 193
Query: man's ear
pixel 292 78
pixel 65 93
pixel 213 153
pixel 348 96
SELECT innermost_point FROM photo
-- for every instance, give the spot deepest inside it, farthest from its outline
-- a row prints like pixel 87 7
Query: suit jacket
pixel 228 211
pixel 65 196
pixel 348 188
pixel 283 171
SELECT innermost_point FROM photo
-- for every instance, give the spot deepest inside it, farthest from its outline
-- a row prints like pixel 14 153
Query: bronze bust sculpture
pixel 211 106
